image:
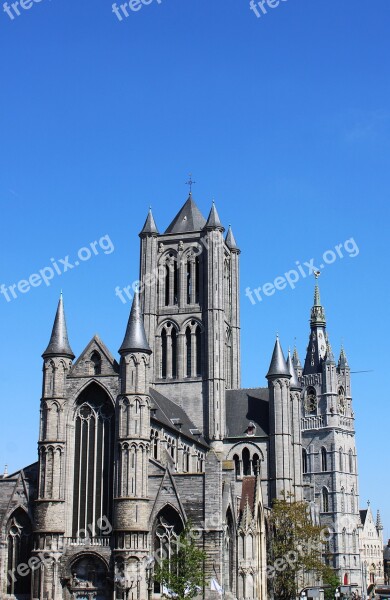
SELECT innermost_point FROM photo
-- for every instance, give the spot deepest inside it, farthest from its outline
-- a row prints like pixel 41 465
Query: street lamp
pixel 149 575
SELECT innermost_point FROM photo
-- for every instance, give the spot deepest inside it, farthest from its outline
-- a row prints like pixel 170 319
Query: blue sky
pixel 283 119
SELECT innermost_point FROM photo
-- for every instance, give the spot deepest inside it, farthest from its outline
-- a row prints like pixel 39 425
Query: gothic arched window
pixel 324 459
pixel 341 460
pixel 325 500
pixel 311 401
pixel 304 461
pixel 164 347
pixel 19 533
pixel 166 532
pixel 353 500
pixel 246 461
pixel 354 543
pixel 96 361
pixel 342 499
pixel 188 352
pixel 229 551
pixel 198 343
pixel 351 469
pixel 344 540
pixel 93 460
pixel 236 461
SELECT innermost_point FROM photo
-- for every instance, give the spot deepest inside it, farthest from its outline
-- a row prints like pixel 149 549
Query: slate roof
pixel 248 493
pixel 149 225
pixel 135 336
pixel 363 515
pixel 165 410
pixel 244 406
pixel 189 218
pixel 59 343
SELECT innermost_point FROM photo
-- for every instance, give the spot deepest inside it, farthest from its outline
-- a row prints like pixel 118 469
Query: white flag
pixel 168 593
pixel 214 585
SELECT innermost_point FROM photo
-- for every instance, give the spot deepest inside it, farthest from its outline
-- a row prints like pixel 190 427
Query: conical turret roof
pixel 213 221
pixel 278 366
pixel 59 343
pixel 135 336
pixel 230 240
pixel 150 226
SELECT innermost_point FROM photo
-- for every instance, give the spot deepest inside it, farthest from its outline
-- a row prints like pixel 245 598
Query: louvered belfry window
pixel 93 462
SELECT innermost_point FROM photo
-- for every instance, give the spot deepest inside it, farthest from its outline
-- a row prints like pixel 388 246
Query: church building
pixel 133 446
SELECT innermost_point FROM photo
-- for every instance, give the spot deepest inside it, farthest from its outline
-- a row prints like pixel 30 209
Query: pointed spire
pixel 213 221
pixel 294 383
pixel 343 362
pixel 278 366
pixel 329 352
pixel 379 524
pixel 295 359
pixel 150 226
pixel 59 343
pixel 230 240
pixel 317 317
pixel 135 336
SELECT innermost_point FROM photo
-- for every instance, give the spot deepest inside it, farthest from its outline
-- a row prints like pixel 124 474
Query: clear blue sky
pixel 284 120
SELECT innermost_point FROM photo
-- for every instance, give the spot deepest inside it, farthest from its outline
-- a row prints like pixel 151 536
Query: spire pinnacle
pixel 294 383
pixel 213 221
pixel 59 343
pixel 343 362
pixel 379 524
pixel 278 366
pixel 317 317
pixel 150 226
pixel 295 358
pixel 135 336
pixel 329 351
pixel 230 240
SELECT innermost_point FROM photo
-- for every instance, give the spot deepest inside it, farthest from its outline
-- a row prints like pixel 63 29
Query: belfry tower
pixel 329 451
pixel 190 299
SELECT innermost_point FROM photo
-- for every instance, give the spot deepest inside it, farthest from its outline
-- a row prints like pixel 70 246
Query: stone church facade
pixel 130 450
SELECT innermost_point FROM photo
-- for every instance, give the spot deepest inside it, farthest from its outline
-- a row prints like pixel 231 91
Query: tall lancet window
pixel 19 546
pixel 188 352
pixel 168 349
pixel 93 460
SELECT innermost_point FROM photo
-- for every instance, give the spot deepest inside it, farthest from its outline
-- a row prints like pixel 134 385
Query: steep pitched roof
pixel 189 218
pixel 246 406
pixel 248 493
pixel 170 414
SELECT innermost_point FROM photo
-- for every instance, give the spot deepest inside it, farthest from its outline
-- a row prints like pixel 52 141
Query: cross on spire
pixel 190 182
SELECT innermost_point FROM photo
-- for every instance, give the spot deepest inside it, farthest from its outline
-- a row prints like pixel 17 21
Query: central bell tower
pixel 190 300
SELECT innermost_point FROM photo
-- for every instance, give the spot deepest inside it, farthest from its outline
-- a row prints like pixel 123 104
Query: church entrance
pixel 89 579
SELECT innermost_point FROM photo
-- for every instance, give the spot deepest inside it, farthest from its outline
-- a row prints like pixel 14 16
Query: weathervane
pixel 190 182
pixel 317 274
